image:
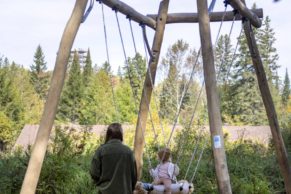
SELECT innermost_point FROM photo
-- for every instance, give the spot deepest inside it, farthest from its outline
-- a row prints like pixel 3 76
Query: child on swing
pixel 165 173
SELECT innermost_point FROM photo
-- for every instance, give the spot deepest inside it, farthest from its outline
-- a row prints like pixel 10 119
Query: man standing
pixel 113 167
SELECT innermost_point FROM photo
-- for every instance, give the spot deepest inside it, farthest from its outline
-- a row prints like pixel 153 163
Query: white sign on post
pixel 217 141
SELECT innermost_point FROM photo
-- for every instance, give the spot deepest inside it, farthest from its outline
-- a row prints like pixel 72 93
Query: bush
pixel 12 170
pixel 6 130
pixel 252 167
pixel 65 168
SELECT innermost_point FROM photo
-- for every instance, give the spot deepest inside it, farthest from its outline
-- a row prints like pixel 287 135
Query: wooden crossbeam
pixel 245 12
pixel 130 12
pixel 150 19
pixel 213 16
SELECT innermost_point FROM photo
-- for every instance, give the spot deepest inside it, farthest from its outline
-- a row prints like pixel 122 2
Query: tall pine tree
pixel 266 41
pixel 286 89
pixel 39 76
pixel 137 71
pixel 88 70
pixel 246 103
pixel 70 105
pixel 223 60
pixel 269 56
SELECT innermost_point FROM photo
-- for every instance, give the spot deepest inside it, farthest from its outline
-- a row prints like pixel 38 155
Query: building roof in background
pixel 255 133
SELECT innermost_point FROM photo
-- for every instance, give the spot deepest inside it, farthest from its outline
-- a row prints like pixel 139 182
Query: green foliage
pixel 31 102
pixel 252 167
pixel 174 61
pixel 70 105
pixel 223 62
pixel 285 124
pixel 10 97
pixel 12 104
pixel 125 103
pixel 12 170
pixel 248 163
pixel 223 58
pixel 178 83
pixel 240 96
pixel 97 97
pixel 245 104
pixel 269 56
pixel 7 133
pixel 135 73
pixel 65 168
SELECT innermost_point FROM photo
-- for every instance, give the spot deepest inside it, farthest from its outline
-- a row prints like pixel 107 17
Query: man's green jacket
pixel 113 168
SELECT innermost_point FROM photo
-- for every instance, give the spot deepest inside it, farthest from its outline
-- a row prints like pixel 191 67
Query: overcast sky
pixel 26 24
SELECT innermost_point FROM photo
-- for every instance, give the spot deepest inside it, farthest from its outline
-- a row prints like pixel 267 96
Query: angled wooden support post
pixel 148 87
pixel 214 114
pixel 39 149
pixel 281 153
pixel 245 12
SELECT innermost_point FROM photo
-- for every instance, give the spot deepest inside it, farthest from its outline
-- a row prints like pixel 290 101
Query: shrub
pixel 12 170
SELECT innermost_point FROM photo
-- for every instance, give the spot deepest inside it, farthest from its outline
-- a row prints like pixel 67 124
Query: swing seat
pixel 182 187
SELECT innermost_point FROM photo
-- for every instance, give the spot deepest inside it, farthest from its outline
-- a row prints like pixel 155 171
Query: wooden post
pixel 148 87
pixel 214 16
pixel 281 153
pixel 214 115
pixel 39 149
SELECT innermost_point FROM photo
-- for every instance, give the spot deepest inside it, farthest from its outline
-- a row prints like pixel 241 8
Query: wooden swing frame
pixel 158 22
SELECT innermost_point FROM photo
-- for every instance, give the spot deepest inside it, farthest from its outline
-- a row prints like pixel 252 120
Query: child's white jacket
pixel 173 171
